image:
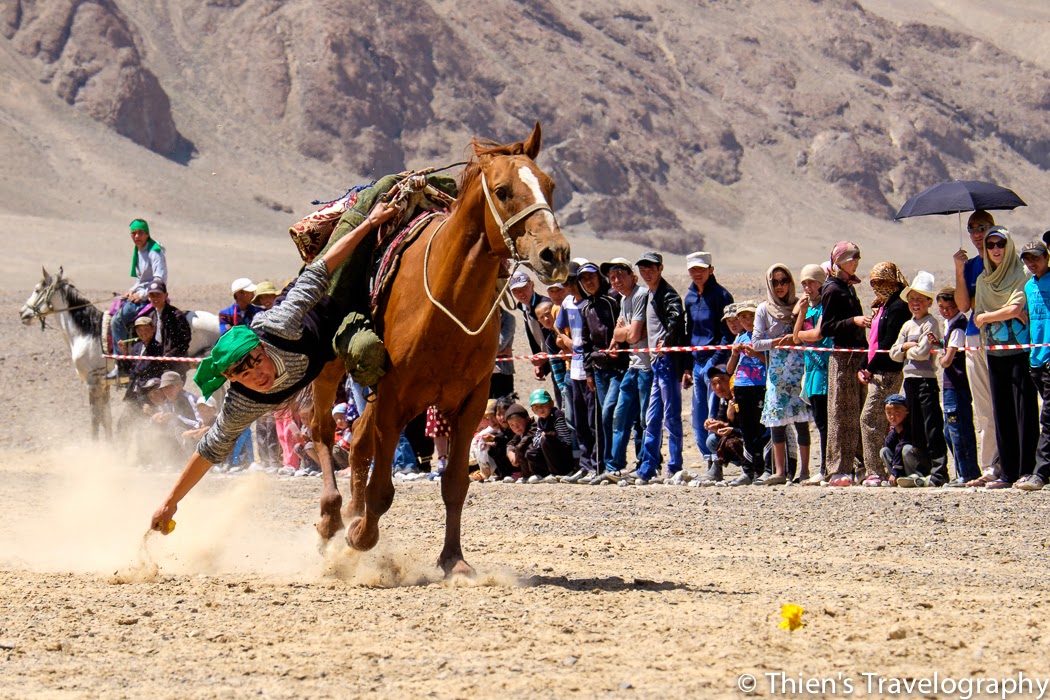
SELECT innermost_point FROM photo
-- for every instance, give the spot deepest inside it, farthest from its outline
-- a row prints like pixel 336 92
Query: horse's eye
pixel 502 193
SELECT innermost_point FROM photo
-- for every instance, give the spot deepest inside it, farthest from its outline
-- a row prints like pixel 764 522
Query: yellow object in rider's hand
pixel 169 527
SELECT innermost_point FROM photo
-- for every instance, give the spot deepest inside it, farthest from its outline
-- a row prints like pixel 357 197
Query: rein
pixel 46 299
pixel 435 302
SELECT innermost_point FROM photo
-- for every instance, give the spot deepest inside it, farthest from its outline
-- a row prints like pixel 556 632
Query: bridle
pixel 504 228
pixel 36 304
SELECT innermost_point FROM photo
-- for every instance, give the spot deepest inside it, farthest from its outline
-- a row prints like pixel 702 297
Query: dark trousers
pixel 1015 409
pixel 550 457
pixel 1041 379
pixel 749 400
pixel 585 417
pixel 926 421
pixel 819 405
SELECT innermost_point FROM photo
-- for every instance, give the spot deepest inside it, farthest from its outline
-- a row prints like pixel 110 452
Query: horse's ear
pixel 532 146
pixel 44 270
pixel 60 270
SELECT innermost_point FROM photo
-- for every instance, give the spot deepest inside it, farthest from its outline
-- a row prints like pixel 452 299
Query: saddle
pixel 360 285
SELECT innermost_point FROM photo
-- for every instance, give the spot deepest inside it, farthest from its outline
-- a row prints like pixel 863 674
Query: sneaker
pixel 519 480
pixel 770 480
pixel 534 479
pixel 909 482
pixel 595 480
pixel 508 480
pixel 957 483
pixel 303 472
pixel 256 467
pixel 576 477
pixel 1029 482
pixel 286 471
pixel 742 480
pixel 550 479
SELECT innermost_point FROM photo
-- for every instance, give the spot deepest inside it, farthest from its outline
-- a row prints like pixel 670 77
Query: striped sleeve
pixel 237 415
pixel 561 426
pixel 286 319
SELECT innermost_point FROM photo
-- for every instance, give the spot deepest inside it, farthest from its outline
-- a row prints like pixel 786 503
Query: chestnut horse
pixel 443 356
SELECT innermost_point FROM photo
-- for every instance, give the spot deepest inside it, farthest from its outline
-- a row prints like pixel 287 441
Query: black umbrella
pixel 959 196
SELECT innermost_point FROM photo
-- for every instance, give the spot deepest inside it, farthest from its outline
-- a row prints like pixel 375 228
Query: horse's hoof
pixel 327 526
pixel 359 537
pixel 458 567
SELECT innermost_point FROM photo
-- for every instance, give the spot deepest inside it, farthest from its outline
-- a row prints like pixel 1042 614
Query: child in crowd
pixel 955 396
pixel 309 464
pixel 545 312
pixel 749 388
pixel 907 464
pixel 550 454
pixel 498 450
pixel 913 347
pixel 723 438
pixel 481 443
pixel 341 448
pixel 1037 290
pixel 521 425
pixel 815 381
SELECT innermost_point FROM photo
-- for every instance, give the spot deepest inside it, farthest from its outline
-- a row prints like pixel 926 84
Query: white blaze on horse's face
pixel 530 180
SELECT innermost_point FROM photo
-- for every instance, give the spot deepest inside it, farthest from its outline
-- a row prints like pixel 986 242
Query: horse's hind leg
pixel 454 481
pixel 322 429
pixel 385 426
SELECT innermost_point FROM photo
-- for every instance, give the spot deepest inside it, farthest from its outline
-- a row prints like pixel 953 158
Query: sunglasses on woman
pixel 992 245
pixel 781 281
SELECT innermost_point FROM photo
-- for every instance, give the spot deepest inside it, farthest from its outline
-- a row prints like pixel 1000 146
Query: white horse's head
pixel 38 305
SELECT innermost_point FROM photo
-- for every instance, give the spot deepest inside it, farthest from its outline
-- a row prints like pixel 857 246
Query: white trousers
pixel 983 415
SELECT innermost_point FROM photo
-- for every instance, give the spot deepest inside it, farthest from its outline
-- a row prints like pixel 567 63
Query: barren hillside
pixel 674 124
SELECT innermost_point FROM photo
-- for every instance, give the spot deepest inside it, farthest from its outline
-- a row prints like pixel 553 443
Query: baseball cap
pixel 574 271
pixel 171 378
pixel 152 384
pixel 588 267
pixel 144 321
pixel 650 258
pixel 490 407
pixel 263 288
pixel 556 285
pixel 540 396
pixel 242 284
pixel 605 267
pixel 157 286
pixel 339 409
pixel 515 409
pixel 743 306
pixel 519 279
pixel 1034 247
pixel 998 231
pixel 717 371
pixel 699 259
pixel 730 311
pixel 895 400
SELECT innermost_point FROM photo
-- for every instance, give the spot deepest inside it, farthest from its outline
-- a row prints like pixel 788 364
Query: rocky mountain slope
pixel 676 124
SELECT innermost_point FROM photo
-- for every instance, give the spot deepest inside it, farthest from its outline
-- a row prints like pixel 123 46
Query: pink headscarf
pixel 842 252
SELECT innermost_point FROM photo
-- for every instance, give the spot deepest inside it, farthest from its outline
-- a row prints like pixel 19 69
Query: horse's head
pixel 39 302
pixel 519 221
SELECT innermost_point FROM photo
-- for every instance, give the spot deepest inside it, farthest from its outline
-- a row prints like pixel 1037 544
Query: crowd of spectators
pixel 933 386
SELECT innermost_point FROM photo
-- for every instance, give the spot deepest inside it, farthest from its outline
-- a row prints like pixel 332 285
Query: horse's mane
pixel 87 318
pixel 483 147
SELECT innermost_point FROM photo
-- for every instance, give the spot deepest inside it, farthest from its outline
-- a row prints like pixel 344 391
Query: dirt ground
pixel 582 592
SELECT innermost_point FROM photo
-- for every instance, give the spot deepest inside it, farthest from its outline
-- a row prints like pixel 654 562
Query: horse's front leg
pixel 374 492
pixel 455 480
pixel 322 429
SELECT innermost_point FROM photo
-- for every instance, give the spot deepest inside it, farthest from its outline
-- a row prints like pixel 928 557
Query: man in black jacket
pixel 604 371
pixel 172 328
pixel 665 325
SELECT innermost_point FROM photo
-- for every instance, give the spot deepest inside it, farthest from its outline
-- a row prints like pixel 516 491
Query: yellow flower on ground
pixel 792 615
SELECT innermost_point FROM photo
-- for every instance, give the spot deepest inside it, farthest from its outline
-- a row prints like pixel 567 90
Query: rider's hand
pixel 162 517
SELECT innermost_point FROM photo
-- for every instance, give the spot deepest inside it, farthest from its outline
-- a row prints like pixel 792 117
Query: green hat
pixel 233 345
pixel 139 225
pixel 540 396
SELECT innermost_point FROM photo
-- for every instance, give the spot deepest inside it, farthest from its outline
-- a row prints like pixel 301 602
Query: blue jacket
pixel 704 324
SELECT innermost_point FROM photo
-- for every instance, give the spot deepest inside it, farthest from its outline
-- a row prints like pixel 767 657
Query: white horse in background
pixel 81 324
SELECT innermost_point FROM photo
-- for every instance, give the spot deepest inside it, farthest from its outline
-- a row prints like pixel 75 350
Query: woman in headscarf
pixel 268 363
pixel 783 406
pixel 878 372
pixel 844 322
pixel 1000 314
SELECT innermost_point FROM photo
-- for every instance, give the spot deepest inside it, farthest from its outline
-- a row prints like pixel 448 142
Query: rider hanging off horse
pixel 435 317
